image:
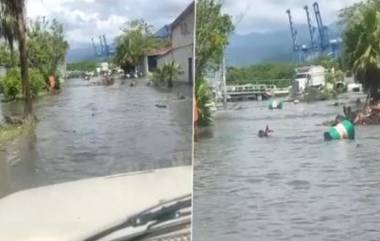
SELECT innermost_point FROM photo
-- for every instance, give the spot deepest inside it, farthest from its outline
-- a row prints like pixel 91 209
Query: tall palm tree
pixel 362 47
pixel 16 8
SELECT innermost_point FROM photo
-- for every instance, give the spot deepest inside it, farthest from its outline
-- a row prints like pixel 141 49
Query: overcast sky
pixel 267 15
pixel 84 19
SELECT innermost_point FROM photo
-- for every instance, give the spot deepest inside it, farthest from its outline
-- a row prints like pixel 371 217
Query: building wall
pixel 182 47
pixel 183 33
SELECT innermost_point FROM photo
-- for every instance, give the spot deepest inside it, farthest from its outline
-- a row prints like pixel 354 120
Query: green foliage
pixel 8 33
pixel 334 76
pixel 37 82
pixel 270 73
pixel 5 55
pixel 327 62
pixel 15 10
pixel 47 46
pixel 11 83
pixel 203 99
pixel 131 46
pixel 85 66
pixel 361 40
pixel 167 74
pixel 172 70
pixel 158 76
pixel 212 32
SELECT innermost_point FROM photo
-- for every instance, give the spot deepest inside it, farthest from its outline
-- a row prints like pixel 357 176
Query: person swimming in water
pixel 266 132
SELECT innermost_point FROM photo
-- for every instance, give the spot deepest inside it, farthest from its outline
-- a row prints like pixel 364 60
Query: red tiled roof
pixel 159 52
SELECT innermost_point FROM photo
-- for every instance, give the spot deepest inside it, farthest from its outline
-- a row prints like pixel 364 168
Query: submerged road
pixel 88 131
pixel 292 186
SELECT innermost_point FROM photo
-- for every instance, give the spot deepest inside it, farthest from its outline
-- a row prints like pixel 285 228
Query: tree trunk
pixel 11 49
pixel 21 31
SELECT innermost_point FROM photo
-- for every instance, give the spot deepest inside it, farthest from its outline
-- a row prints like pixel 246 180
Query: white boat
pixel 104 208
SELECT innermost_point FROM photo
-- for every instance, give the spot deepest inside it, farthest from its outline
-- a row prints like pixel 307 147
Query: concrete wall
pixel 182 47
pixel 183 33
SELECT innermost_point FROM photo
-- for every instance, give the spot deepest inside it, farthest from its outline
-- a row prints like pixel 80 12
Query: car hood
pixel 76 210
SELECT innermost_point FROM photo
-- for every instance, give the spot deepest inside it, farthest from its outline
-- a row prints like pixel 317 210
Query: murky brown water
pixel 292 186
pixel 88 131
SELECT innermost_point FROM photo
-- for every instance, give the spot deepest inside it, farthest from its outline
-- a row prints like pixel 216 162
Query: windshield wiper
pixel 159 213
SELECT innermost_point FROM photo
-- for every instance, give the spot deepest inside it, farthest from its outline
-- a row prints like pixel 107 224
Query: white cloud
pixel 84 19
pixel 267 15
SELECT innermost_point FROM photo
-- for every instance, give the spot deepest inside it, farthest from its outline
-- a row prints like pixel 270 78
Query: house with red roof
pixel 180 34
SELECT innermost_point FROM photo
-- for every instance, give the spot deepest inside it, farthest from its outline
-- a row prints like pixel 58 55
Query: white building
pixel 181 51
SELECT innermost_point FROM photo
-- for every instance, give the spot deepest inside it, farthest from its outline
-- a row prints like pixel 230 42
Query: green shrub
pixel 37 81
pixel 158 76
pixel 11 84
pixel 203 97
pixel 167 74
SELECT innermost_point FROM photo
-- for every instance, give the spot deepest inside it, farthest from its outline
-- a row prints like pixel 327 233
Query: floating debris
pixel 160 106
pixel 275 105
pixel 343 130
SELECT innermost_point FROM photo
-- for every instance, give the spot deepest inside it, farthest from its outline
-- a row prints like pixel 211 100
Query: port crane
pixel 104 49
pixel 313 44
pixel 321 45
pixel 322 30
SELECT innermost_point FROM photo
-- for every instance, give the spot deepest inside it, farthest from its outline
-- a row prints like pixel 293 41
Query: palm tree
pixel 203 97
pixel 7 31
pixel 16 8
pixel 362 47
pixel 171 71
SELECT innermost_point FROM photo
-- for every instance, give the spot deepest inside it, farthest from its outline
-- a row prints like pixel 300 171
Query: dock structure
pixel 254 92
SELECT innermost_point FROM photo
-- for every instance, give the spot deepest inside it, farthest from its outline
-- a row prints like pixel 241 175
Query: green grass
pixel 10 132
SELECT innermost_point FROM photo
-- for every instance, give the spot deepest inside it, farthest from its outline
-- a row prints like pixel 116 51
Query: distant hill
pixel 274 46
pixel 80 54
pixel 84 53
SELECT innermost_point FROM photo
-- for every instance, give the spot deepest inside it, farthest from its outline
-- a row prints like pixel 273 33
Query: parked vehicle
pixel 308 76
pixel 354 87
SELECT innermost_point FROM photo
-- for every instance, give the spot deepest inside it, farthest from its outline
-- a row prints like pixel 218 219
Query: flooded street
pixel 88 131
pixel 292 186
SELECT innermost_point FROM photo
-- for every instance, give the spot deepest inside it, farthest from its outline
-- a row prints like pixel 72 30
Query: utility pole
pixel 224 82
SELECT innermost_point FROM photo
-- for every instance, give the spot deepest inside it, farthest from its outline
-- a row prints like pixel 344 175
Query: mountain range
pixel 275 46
pixel 243 50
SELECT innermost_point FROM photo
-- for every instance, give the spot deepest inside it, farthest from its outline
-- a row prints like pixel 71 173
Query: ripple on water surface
pixel 292 186
pixel 88 131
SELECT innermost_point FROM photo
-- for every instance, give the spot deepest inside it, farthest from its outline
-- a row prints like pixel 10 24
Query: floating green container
pixel 343 130
pixel 275 105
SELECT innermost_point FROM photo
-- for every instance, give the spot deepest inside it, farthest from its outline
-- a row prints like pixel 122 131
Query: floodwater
pixel 292 186
pixel 88 131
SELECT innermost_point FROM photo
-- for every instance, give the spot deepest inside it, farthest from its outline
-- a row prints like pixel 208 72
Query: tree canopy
pixel 137 39
pixel 82 66
pixel 361 40
pixel 264 73
pixel 47 45
pixel 213 29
